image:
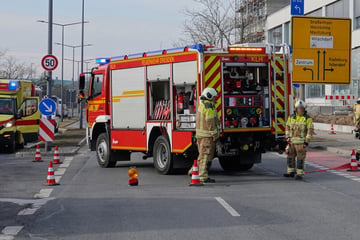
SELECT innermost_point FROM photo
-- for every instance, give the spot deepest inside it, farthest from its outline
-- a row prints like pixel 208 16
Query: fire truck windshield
pixel 7 106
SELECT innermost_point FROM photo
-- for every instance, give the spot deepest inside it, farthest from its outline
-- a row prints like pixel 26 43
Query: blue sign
pixel 297 7
pixel 47 106
pixel 295 85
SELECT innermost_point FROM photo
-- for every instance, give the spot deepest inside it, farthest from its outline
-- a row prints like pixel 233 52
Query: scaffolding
pixel 250 18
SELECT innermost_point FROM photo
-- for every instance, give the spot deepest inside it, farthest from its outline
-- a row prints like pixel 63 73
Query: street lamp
pixel 73 85
pixel 62 55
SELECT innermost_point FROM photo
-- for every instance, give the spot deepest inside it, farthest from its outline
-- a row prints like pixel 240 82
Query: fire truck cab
pixel 19 114
pixel 147 102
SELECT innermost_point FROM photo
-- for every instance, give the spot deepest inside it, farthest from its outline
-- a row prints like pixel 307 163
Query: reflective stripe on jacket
pixel 299 128
pixel 207 120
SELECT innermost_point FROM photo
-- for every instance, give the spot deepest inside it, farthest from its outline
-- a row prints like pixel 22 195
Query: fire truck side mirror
pixel 20 114
pixel 82 82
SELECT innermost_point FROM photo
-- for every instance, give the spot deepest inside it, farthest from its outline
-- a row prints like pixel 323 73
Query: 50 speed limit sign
pixel 49 62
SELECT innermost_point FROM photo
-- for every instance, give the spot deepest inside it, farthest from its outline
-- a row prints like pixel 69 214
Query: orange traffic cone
pixel 37 154
pixel 195 180
pixel 50 180
pixel 314 133
pixel 332 129
pixel 56 159
pixel 353 163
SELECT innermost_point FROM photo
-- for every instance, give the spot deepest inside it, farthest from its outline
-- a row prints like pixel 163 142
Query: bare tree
pixel 213 24
pixel 11 68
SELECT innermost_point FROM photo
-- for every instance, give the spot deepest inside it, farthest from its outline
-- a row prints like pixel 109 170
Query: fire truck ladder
pixel 280 114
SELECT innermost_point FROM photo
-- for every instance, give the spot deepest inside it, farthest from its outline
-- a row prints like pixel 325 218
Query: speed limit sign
pixel 49 62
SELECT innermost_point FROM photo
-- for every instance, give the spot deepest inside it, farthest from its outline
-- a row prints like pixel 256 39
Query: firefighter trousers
pixel 296 159
pixel 206 148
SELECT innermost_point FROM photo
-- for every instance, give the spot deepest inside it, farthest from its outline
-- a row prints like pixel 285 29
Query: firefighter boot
pixel 300 171
pixel 290 168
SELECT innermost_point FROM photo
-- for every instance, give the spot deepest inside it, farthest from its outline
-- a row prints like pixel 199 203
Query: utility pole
pixel 50 33
pixel 82 57
pixel 49 78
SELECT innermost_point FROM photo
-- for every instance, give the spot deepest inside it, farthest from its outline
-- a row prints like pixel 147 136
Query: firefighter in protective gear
pixel 357 114
pixel 299 132
pixel 207 132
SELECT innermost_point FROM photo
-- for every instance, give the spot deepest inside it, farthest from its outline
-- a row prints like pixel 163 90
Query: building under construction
pixel 251 18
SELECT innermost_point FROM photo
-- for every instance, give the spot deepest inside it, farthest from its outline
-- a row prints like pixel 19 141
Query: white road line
pixel 60 171
pixel 44 193
pixel 351 176
pixel 68 159
pixel 6 237
pixel 57 179
pixel 227 207
pixel 65 164
pixel 28 211
pixel 356 179
pixel 12 230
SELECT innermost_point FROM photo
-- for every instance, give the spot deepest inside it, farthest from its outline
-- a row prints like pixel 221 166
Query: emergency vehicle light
pixel 102 61
pixel 13 85
pixel 246 50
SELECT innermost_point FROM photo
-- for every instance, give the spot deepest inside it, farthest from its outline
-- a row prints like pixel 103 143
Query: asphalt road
pixel 95 203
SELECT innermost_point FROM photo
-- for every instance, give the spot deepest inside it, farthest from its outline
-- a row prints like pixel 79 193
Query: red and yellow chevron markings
pixel 212 78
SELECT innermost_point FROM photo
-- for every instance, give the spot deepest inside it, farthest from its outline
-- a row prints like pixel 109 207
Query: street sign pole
pixel 82 57
pixel 50 32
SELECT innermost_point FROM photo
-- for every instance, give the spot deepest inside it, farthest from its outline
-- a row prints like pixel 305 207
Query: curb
pixel 333 150
pixel 69 124
pixel 73 152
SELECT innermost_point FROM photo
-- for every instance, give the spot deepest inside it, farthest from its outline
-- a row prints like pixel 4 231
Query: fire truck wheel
pixel 103 151
pixel 234 164
pixel 163 159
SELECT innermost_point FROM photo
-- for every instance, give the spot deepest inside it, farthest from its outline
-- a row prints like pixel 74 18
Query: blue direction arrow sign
pixel 47 106
pixel 297 7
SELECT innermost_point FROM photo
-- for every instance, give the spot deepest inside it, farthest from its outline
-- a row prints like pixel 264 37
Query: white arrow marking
pixel 48 109
pixel 298 8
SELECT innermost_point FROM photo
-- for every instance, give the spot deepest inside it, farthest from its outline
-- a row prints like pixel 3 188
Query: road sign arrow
pixel 318 67
pixel 312 72
pixel 298 8
pixel 48 108
pixel 329 69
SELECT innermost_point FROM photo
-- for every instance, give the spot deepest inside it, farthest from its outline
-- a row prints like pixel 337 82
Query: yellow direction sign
pixel 321 50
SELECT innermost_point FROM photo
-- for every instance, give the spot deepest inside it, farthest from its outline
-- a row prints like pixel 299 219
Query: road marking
pixel 60 171
pixel 28 211
pixel 12 230
pixel 350 176
pixel 227 207
pixel 68 159
pixel 44 193
pixel 57 179
pixel 356 179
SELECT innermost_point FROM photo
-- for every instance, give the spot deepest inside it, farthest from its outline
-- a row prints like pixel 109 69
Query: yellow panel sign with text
pixel 321 50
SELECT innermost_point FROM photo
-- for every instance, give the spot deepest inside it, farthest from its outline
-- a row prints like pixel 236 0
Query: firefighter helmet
pixel 300 103
pixel 209 93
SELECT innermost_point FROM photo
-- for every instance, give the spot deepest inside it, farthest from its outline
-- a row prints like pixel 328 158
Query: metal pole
pixel 50 32
pixel 49 80
pixel 73 84
pixel 62 74
pixel 82 57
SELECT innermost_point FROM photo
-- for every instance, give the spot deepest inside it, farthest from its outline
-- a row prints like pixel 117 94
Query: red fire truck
pixel 147 103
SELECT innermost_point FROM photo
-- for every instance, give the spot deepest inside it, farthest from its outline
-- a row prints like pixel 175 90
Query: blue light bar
pixel 198 47
pixel 13 85
pixel 102 61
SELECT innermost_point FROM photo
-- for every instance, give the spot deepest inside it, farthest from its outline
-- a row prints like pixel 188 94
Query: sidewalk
pixel 69 140
pixel 340 143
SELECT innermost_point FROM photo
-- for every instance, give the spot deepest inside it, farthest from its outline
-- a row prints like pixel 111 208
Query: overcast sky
pixel 115 27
